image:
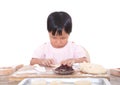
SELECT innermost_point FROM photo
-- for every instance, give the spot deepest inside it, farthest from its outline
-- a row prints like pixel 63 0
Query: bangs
pixel 57 31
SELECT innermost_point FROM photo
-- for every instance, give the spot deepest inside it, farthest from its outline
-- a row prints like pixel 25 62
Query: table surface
pixel 5 80
pixel 18 76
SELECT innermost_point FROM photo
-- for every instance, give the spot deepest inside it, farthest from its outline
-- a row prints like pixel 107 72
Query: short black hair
pixel 58 21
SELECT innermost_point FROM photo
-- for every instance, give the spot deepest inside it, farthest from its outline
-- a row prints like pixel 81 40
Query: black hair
pixel 58 21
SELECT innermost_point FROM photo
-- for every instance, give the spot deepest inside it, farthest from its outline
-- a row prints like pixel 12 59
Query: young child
pixel 59 50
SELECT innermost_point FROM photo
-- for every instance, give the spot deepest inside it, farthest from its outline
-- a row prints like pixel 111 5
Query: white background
pixel 96 25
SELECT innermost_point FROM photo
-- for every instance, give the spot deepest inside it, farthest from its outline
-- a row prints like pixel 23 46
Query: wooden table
pixel 50 74
pixel 15 79
pixel 4 80
pixel 5 72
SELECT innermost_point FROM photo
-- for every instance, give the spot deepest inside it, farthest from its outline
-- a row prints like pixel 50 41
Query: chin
pixel 59 46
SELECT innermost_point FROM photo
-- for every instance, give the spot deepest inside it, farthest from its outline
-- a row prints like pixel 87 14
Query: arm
pixel 81 60
pixel 83 52
pixel 70 62
pixel 41 61
pixel 35 61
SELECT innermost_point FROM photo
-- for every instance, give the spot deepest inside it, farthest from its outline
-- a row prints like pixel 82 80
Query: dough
pixel 83 82
pixel 92 68
pixel 6 70
pixel 38 82
pixel 56 82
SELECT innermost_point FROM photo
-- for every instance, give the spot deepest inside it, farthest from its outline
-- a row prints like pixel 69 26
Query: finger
pixel 63 62
pixel 69 63
pixel 44 63
pixel 52 61
pixel 48 62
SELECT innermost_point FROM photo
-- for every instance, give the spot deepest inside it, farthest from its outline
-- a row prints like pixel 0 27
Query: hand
pixel 68 62
pixel 47 62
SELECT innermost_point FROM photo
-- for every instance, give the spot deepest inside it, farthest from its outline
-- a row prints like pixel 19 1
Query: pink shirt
pixel 70 50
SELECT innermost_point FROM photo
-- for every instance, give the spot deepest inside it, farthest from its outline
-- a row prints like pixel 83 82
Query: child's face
pixel 59 41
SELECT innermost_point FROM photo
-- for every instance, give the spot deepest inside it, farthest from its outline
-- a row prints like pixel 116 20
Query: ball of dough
pixel 56 82
pixel 38 82
pixel 83 82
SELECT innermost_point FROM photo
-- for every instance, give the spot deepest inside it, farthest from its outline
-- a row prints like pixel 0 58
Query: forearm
pixel 35 61
pixel 80 60
pixel 42 61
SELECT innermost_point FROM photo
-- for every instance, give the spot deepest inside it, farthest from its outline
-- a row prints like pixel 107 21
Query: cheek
pixel 64 41
pixel 53 41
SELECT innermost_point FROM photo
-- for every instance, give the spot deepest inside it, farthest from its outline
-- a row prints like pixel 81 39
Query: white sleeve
pixel 39 52
pixel 79 52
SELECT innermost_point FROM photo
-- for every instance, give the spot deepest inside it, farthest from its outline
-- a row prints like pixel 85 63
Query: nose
pixel 58 41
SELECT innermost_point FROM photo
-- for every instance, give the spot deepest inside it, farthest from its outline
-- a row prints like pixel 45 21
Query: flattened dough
pixel 92 68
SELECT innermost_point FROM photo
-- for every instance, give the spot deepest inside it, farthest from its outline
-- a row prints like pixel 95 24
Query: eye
pixel 63 38
pixel 54 37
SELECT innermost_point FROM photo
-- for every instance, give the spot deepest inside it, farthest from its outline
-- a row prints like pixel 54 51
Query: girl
pixel 59 50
